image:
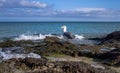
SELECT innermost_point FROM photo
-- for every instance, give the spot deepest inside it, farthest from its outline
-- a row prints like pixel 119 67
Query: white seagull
pixel 66 34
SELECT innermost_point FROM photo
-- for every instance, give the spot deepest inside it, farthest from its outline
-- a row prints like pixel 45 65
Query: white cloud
pixel 33 4
pixel 89 9
pixel 22 4
pixel 40 9
pixel 88 12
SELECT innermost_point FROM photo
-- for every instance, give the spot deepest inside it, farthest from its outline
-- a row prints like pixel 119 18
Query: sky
pixel 59 10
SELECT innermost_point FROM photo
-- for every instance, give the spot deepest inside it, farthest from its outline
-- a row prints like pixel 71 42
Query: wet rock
pixel 112 38
pixel 114 35
pixel 33 55
pixel 0 49
pixel 33 65
pixel 55 45
pixel 86 52
pixel 13 49
pixel 15 52
pixel 9 67
pixel 11 43
pixel 105 49
pixel 42 66
pixel 97 66
pixel 50 65
pixel 32 62
pixel 7 43
pixel 51 39
pixel 112 57
pixel 89 50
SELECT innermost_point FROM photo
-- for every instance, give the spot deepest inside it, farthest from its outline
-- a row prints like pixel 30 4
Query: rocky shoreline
pixel 61 56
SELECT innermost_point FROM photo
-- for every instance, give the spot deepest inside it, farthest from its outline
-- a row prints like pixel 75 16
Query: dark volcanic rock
pixel 14 49
pixel 43 66
pixel 112 57
pixel 113 38
pixel 51 39
pixel 32 65
pixel 114 35
pixel 11 43
pixel 55 45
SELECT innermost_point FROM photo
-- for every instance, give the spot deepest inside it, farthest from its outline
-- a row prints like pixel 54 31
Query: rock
pixel 105 49
pixel 97 66
pixel 112 57
pixel 114 35
pixel 15 52
pixel 55 45
pixel 9 67
pixel 51 39
pixel 11 43
pixel 112 38
pixel 32 62
pixel 33 55
pixel 14 49
pixel 86 52
pixel 42 66
pixel 50 65
pixel 0 49
pixel 32 65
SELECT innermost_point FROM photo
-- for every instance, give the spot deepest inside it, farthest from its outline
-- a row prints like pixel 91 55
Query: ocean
pixel 86 29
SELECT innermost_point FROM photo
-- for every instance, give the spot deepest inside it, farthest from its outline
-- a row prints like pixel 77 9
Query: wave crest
pixel 41 36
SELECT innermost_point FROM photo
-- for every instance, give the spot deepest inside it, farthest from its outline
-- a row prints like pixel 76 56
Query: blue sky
pixel 59 10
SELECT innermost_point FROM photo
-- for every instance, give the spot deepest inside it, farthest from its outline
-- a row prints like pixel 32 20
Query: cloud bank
pixel 22 4
pixel 36 8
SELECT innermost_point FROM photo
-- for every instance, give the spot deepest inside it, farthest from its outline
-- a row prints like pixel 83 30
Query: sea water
pixel 21 30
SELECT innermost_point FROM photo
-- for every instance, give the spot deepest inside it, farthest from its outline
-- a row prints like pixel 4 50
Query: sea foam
pixel 41 36
pixel 31 37
pixel 79 37
pixel 8 54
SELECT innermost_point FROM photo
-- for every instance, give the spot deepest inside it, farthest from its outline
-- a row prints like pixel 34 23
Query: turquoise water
pixel 8 29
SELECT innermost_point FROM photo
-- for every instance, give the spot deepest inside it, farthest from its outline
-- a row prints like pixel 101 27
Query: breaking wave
pixel 79 36
pixel 41 36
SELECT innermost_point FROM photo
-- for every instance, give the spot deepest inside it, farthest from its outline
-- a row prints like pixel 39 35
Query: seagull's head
pixel 64 28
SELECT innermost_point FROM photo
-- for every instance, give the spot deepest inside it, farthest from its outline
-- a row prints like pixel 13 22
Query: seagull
pixel 66 34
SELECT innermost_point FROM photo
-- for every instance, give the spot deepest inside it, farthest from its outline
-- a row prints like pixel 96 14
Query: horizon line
pixel 59 21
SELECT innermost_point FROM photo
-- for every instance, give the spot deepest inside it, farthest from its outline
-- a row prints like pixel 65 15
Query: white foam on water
pixel 8 55
pixel 41 36
pixel 31 37
pixel 80 37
